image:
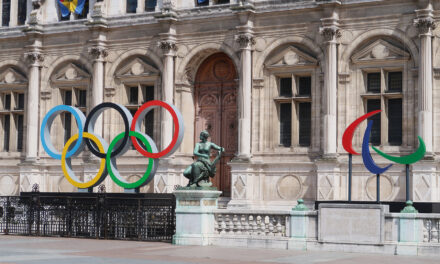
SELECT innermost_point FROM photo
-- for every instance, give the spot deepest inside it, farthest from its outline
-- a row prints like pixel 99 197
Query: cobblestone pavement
pixel 38 250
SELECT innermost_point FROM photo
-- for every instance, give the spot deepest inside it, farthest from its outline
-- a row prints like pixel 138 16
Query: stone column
pixel 246 41
pixel 330 33
pixel 168 48
pixel 98 54
pixel 35 58
pixel 425 25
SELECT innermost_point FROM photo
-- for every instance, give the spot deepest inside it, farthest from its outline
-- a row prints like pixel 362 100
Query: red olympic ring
pixel 177 129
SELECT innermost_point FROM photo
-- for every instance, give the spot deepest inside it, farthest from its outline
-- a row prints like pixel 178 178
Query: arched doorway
pixel 216 111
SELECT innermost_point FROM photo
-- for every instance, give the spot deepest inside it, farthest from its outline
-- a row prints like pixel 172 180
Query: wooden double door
pixel 216 112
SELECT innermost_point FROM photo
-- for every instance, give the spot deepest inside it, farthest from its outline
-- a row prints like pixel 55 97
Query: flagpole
pixel 378 188
pixel 407 182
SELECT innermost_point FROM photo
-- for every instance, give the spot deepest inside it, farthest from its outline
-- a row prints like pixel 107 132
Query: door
pixel 216 112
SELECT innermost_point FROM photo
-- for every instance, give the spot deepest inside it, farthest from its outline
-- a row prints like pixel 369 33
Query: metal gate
pixel 147 217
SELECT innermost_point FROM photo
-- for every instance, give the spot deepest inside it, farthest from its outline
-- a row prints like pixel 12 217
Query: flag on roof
pixel 74 6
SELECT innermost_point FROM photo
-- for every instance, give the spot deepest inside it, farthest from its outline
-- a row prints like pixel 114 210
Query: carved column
pixel 425 24
pixel 330 33
pixel 34 58
pixel 168 48
pixel 246 41
pixel 98 54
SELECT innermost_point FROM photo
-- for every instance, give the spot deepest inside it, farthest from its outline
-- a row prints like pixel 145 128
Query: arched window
pixel 13 86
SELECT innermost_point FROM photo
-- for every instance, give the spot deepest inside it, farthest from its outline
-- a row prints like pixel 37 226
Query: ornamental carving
pixel 34 57
pixel 425 25
pixel 245 40
pixel 167 46
pixel 98 53
pixel 330 33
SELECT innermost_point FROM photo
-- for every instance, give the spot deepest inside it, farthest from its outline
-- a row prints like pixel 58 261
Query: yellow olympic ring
pixel 75 182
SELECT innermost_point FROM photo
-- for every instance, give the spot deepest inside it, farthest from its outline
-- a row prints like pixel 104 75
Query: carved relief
pixel 289 187
pixel 137 68
pixel 12 76
pixel 291 56
pixel 378 51
pixel 8 185
pixel 386 187
pixel 325 190
pixel 71 73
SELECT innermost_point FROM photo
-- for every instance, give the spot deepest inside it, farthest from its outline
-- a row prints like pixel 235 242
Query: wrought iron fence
pixel 149 217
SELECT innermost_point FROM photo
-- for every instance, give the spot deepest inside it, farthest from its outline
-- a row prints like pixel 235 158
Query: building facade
pixel 274 82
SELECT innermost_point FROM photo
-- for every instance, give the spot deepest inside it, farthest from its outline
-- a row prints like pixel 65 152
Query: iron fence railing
pixel 149 217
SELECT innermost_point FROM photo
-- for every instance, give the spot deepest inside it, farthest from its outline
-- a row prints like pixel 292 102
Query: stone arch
pixel 151 56
pixel 396 34
pixel 13 63
pixel 63 60
pixel 259 64
pixel 188 67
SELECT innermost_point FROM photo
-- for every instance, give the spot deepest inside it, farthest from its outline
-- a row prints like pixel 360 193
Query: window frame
pixel 13 112
pixel 384 95
pixel 296 99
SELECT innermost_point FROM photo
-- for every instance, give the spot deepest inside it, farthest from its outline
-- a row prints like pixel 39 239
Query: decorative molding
pixel 245 40
pixel 34 58
pixel 109 91
pixel 71 73
pixel 258 83
pixel 45 94
pixel 379 51
pixel 330 33
pixel 291 57
pixel 137 70
pixel 344 77
pixel 98 53
pixel 12 77
pixel 424 22
pixel 168 46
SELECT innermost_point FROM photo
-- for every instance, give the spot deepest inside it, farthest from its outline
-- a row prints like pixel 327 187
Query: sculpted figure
pixel 202 169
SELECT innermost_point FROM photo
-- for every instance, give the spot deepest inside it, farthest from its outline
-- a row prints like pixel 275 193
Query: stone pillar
pixel 35 58
pixel 425 25
pixel 330 33
pixel 246 41
pixel 168 48
pixel 98 54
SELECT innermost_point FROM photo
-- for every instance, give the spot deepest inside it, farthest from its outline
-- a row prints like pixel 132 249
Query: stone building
pixel 275 82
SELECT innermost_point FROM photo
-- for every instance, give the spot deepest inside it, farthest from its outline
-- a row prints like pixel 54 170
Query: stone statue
pixel 202 169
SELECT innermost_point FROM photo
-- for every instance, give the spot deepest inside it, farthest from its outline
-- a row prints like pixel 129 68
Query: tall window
pixel 295 110
pixel 384 91
pixel 12 120
pixel 21 16
pixel 131 6
pixel 137 96
pixel 6 12
pixel 78 98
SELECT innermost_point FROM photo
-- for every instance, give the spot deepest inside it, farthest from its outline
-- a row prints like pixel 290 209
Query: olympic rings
pixel 118 146
pixel 67 166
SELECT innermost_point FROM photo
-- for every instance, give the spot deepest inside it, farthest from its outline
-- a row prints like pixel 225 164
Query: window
pixel 83 14
pixel 131 6
pixel 6 12
pixel 12 120
pixel 219 2
pixel 150 5
pixel 202 2
pixel 295 110
pixel 138 95
pixel 21 16
pixel 390 98
pixel 78 98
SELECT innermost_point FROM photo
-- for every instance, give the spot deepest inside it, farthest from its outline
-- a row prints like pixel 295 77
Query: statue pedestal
pixel 195 215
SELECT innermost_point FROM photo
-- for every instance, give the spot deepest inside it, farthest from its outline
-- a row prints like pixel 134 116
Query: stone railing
pixel 431 228
pixel 254 223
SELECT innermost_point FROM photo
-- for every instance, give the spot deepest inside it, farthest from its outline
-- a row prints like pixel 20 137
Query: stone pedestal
pixel 362 224
pixel 195 216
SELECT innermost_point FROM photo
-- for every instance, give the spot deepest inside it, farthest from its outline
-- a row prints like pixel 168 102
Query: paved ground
pixel 34 250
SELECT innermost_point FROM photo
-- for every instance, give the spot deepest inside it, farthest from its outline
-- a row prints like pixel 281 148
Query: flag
pixel 67 6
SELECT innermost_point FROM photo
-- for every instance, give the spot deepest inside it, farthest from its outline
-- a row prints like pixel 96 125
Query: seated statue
pixel 202 169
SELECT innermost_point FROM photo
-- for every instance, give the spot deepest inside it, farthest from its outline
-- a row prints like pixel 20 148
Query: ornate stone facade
pixel 336 44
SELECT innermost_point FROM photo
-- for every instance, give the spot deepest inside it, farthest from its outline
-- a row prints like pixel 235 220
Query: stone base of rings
pixel 195 216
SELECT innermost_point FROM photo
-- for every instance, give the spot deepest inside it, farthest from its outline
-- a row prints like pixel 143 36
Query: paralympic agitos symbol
pixel 347 139
pixel 119 145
